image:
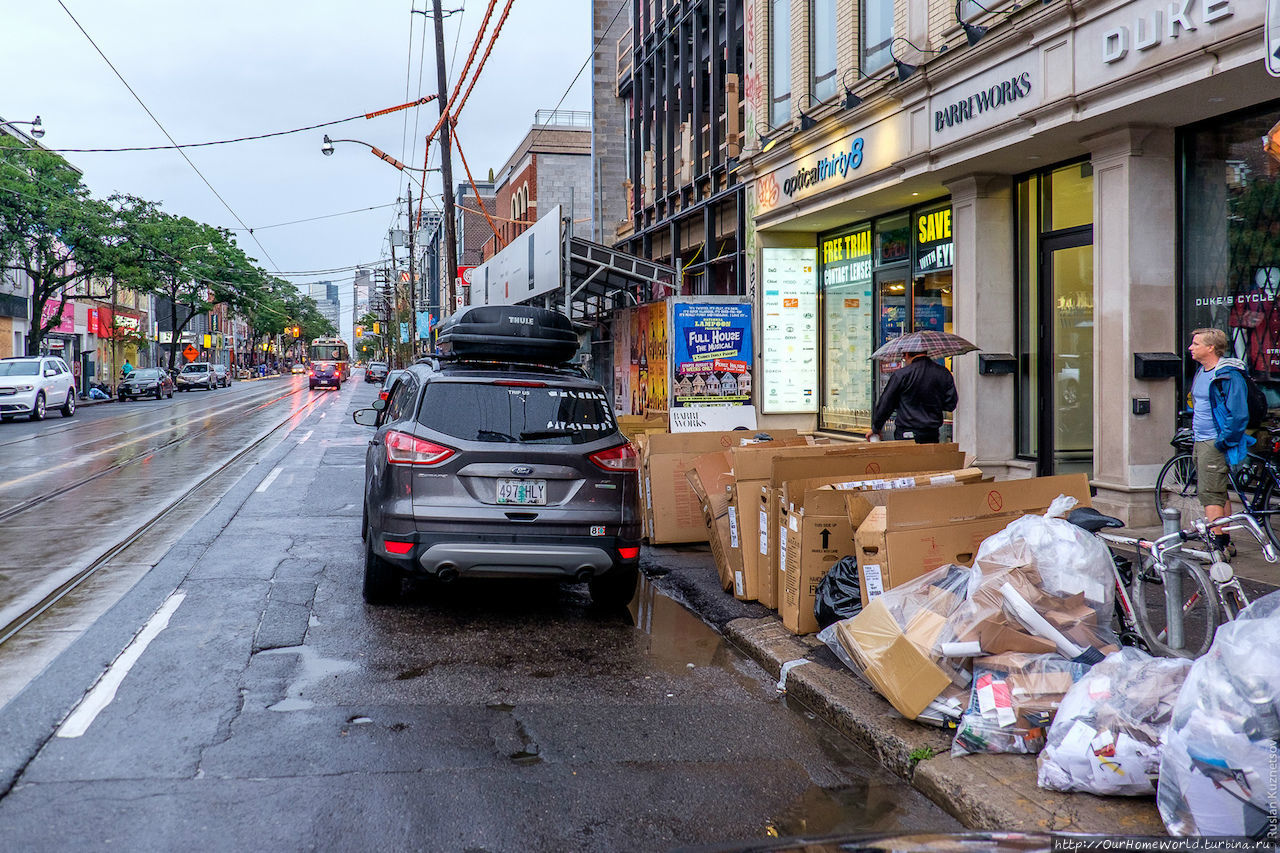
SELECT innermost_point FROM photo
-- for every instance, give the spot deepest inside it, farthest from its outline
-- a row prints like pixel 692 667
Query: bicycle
pixel 1165 603
pixel 1256 483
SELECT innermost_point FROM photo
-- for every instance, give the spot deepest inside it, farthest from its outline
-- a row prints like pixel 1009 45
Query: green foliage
pixel 47 221
pixel 920 753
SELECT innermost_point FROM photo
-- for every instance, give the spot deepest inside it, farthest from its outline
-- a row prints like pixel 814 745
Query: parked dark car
pixel 376 371
pixel 493 466
pixel 146 382
pixel 385 391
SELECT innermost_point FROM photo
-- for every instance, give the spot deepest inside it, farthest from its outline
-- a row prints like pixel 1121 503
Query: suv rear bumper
pixel 497 556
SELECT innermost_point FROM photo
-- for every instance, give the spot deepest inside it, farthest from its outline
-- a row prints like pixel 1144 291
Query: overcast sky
pixel 219 70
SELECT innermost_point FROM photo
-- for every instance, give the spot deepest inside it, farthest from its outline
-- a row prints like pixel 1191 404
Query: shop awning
pixel 597 274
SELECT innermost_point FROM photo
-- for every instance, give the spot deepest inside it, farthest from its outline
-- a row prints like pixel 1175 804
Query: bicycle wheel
pixel 1177 487
pixel 1190 592
pixel 1268 508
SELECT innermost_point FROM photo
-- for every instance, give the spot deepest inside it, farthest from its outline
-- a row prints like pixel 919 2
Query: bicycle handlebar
pixel 1203 529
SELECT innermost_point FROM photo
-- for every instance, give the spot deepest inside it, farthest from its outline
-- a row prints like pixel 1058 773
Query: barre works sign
pixel 984 101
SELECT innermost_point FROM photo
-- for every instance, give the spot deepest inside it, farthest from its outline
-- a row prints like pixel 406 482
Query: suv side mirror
pixel 379 404
pixel 365 417
pixel 50 372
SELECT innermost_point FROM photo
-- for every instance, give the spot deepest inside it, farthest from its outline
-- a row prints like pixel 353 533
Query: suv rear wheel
pixel 614 588
pixel 381 579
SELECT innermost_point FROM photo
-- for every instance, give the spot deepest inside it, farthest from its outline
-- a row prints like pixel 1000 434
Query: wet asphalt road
pixel 274 709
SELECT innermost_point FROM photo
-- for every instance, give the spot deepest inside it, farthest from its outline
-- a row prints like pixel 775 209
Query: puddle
pixel 859 807
pixel 529 752
pixel 678 640
pixel 312 669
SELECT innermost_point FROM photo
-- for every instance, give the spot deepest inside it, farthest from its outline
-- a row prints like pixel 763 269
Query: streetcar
pixel 330 362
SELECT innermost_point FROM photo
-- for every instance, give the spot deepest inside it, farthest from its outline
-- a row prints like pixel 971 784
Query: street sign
pixel 190 353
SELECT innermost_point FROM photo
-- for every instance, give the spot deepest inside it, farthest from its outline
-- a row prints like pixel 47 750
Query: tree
pixel 192 265
pixel 52 230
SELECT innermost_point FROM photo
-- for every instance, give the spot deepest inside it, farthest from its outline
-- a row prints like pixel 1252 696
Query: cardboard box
pixel 819 534
pixel 675 513
pixel 712 480
pixel 892 658
pixel 916 531
pixel 840 464
pixel 635 425
pixel 818 530
pixel 751 466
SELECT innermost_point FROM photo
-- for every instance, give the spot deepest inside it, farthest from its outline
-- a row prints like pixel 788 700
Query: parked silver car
pixel 30 384
pixel 499 468
pixel 222 374
pixel 197 374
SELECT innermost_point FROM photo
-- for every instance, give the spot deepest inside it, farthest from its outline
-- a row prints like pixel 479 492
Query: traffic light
pixel 376 328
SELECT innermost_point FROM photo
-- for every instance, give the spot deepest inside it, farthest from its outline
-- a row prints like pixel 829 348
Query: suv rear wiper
pixel 547 433
pixel 491 435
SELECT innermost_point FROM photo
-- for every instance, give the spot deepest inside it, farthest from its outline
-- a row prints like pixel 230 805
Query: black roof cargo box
pixel 509 333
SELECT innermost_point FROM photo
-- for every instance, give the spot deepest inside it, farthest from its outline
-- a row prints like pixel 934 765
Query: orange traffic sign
pixel 191 352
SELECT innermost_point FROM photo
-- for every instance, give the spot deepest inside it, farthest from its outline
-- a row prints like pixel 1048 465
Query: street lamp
pixel 327 150
pixel 37 128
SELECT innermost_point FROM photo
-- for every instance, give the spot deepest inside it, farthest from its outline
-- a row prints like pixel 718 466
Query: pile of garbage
pixel 1016 654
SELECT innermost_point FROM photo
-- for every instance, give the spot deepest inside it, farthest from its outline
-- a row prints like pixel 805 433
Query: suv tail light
pixel 405 449
pixel 620 458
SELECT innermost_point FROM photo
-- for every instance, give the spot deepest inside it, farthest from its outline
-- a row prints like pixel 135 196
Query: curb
pixel 983 792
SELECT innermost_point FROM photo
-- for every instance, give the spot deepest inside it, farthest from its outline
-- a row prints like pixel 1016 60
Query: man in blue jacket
pixel 1219 418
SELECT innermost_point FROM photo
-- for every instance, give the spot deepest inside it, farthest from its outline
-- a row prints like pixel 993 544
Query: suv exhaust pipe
pixel 447 573
pixel 585 574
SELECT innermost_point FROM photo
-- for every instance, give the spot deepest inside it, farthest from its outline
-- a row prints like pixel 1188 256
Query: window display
pixel 845 279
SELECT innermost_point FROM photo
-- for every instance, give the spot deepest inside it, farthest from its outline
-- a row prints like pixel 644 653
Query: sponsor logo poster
pixel 789 331
pixel 712 354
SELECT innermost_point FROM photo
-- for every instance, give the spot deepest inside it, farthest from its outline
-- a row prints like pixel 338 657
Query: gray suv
pixel 499 467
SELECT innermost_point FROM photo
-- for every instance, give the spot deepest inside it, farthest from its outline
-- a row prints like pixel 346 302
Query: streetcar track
pixel 143 454
pixel 67 426
pixel 10 630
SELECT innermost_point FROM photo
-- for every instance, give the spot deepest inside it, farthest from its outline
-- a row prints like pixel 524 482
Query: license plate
pixel 522 492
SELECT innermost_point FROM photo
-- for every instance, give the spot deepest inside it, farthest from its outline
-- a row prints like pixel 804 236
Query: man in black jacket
pixel 921 391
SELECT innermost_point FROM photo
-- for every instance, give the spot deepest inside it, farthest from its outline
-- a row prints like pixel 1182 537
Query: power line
pixel 201 144
pixel 165 131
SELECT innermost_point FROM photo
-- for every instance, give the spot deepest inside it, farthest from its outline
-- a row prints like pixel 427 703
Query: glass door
pixel 891 293
pixel 1066 374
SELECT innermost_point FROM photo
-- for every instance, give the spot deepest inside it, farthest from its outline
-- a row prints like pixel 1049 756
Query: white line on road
pixel 271 478
pixel 105 690
pixel 322 414
pixel 305 437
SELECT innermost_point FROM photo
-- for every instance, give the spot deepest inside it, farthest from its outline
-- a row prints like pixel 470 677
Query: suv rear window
pixel 511 413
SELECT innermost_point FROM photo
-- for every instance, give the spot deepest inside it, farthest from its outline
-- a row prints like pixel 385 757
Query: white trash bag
pixel 1070 560
pixel 1219 769
pixel 1106 736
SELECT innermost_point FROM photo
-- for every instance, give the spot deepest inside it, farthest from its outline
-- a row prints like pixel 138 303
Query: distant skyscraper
pixel 325 293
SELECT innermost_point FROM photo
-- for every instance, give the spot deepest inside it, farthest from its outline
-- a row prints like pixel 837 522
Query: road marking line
pixel 105 690
pixel 271 478
pixel 305 437
pixel 322 415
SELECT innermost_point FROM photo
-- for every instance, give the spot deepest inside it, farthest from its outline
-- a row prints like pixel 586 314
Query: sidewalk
pixel 983 792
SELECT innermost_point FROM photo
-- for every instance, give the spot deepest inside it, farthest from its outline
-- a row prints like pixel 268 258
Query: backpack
pixel 1257 402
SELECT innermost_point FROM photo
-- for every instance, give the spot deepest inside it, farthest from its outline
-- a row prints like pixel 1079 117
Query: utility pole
pixel 413 277
pixel 446 163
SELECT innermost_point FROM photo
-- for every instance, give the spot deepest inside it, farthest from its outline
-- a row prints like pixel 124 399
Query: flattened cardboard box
pixel 819 530
pixel 845 463
pixel 675 513
pixel 712 480
pixel 914 532
pixel 751 465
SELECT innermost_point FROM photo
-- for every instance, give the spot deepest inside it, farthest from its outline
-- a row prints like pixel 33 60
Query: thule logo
pixel 524 321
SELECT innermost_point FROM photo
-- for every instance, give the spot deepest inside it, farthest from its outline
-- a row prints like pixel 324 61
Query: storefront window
pixel 879 280
pixel 845 277
pixel 1231 237
pixel 1068 196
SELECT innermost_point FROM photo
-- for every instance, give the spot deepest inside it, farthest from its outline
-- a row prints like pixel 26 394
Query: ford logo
pixel 522 470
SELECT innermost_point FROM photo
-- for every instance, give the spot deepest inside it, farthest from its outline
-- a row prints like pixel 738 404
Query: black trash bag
pixel 839 595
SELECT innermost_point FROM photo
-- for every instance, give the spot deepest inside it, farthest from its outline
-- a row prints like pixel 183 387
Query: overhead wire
pixel 165 131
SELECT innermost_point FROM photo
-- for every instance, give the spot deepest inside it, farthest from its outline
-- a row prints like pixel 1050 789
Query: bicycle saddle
pixel 1088 518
